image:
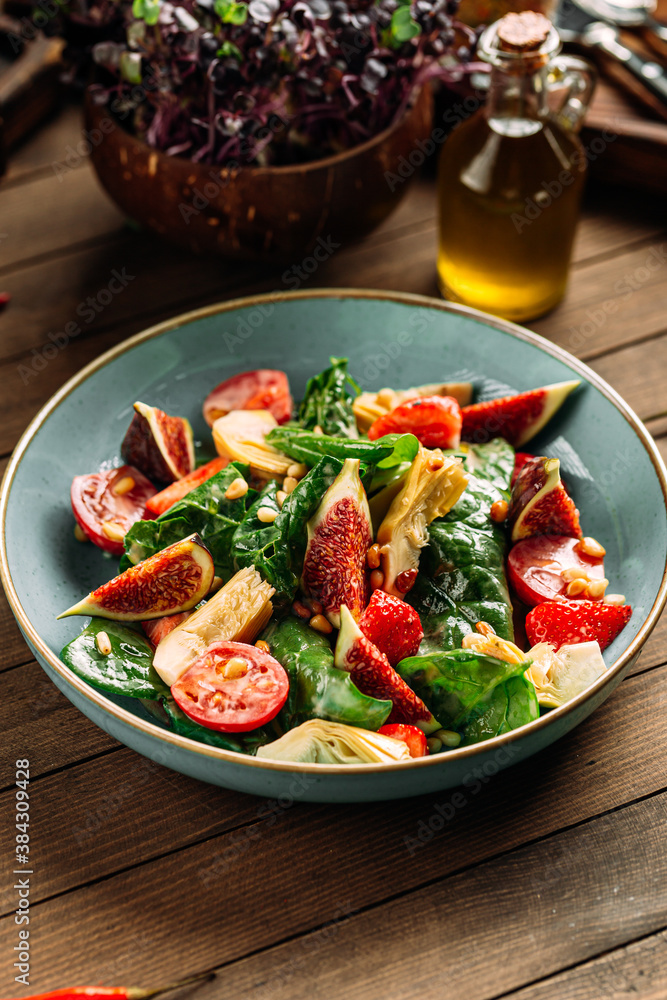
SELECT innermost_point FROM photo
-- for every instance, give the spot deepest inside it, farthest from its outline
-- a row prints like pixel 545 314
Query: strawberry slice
pixel 166 498
pixel 515 418
pixel 393 626
pixel 374 675
pixel 562 623
pixel 158 628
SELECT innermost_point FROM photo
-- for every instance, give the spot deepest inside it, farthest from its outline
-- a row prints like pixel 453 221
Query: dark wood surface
pixel 550 881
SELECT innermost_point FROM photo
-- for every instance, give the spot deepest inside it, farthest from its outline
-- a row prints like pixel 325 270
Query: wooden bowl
pixel 258 213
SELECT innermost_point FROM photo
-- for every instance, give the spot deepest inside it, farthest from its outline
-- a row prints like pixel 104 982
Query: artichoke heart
pixel 432 487
pixel 237 613
pixel 370 406
pixel 320 742
pixel 560 675
pixel 241 436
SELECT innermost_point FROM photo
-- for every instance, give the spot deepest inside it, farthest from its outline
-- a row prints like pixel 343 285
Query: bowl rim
pixel 417 96
pixel 149 729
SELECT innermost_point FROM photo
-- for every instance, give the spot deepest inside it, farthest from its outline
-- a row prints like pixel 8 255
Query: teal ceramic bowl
pixel 608 459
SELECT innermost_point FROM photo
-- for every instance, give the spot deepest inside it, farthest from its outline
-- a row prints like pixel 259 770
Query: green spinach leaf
pixel 127 669
pixel 327 404
pixel 205 510
pixel 318 690
pixel 262 545
pixel 454 683
pixel 305 446
pixel 510 705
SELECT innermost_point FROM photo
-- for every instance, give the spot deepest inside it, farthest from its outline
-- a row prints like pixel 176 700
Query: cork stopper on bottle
pixel 523 32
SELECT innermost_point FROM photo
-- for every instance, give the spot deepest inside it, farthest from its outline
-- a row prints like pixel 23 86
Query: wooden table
pixel 549 883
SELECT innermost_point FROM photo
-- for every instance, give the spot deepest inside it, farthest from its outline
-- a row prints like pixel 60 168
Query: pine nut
pixel 614 599
pixel 499 511
pixel 597 588
pixel 300 610
pixel 266 515
pixel 485 629
pixel 236 667
pixel 377 579
pixel 314 606
pixel 281 497
pixel 79 533
pixel 575 588
pixel 103 643
pixel 124 486
pixel 114 532
pixel 298 470
pixel 262 646
pixel 215 585
pixel 591 547
pixel 374 556
pixel 318 430
pixel 573 573
pixel 236 489
pixel 290 483
pixel 320 624
pixel 448 737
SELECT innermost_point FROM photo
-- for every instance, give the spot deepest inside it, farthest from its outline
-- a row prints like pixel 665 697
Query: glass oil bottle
pixel 511 176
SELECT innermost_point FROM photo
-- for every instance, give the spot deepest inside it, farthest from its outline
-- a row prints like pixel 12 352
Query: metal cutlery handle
pixel 650 74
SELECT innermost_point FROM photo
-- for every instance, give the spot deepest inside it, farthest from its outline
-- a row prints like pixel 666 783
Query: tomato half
pixel 102 513
pixel 434 420
pixel 412 735
pixel 535 565
pixel 176 491
pixel 263 389
pixel 232 687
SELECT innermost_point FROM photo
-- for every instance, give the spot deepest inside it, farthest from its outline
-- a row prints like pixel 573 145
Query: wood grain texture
pixel 306 874
pixel 635 972
pixel 601 764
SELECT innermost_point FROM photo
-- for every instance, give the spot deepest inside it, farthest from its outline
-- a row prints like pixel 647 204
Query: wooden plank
pixel 38 722
pixel 137 810
pixel 638 970
pixel 486 930
pixel 611 302
pixel 300 863
pixel 638 374
pixel 78 212
pixel 47 144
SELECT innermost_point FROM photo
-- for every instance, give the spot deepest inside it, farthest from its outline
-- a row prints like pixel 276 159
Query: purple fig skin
pixel 147 447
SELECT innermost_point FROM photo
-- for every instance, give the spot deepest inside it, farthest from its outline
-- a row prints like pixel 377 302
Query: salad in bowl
pixel 361 578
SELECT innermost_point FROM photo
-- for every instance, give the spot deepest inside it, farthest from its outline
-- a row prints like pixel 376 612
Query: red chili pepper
pixel 116 992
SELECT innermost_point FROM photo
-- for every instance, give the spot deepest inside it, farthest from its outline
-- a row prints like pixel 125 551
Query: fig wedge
pixel 540 504
pixel 374 675
pixel 160 445
pixel 241 436
pixel 339 536
pixel 515 418
pixel 237 613
pixel 433 485
pixel 370 406
pixel 167 583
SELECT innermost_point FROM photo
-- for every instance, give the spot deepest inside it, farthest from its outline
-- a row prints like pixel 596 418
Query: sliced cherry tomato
pixel 176 491
pixel 105 515
pixel 520 460
pixel 434 420
pixel 412 735
pixel 263 389
pixel 535 567
pixel 232 687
